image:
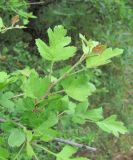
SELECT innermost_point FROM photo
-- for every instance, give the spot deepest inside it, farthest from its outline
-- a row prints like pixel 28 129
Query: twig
pixel 11 27
pixel 83 57
pixel 61 91
pixel 41 3
pixel 32 3
pixel 2 120
pixel 18 154
pixel 51 69
pixel 61 140
pixel 19 95
pixel 78 145
pixel 45 149
pixel 53 84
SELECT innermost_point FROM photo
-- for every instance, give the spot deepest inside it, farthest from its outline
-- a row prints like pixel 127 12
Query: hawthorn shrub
pixel 35 109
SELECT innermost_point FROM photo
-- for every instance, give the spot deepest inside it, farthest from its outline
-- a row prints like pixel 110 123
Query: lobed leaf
pixel 78 87
pixel 16 138
pixel 111 125
pixel 58 48
pixel 35 87
pixel 100 59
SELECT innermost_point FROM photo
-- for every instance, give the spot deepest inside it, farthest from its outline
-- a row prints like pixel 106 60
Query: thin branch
pixel 53 93
pixel 11 27
pixel 41 3
pixel 2 120
pixel 66 74
pixel 51 69
pixel 45 149
pixel 19 95
pixel 18 154
pixel 78 145
pixel 32 3
pixel 61 140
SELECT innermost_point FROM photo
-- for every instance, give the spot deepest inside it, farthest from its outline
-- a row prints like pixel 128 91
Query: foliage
pixel 109 22
pixel 50 99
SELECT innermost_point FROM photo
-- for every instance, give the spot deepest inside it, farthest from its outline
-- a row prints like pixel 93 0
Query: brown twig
pixel 78 145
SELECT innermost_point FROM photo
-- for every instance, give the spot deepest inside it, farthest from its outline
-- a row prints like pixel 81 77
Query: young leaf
pixel 35 87
pixel 87 46
pixel 78 87
pixel 1 23
pixel 103 58
pixel 111 125
pixel 5 101
pixel 29 150
pixel 16 138
pixel 4 79
pixel 4 154
pixel 45 131
pixel 66 153
pixel 80 113
pixel 95 114
pixel 58 48
pixel 80 158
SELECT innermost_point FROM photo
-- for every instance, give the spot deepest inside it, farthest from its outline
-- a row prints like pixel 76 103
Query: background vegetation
pixel 108 21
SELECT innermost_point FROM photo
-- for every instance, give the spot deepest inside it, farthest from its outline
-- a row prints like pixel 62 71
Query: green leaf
pixel 95 114
pixel 58 48
pixel 29 135
pixel 111 125
pixel 80 158
pixel 23 105
pixel 78 87
pixel 87 46
pixel 4 79
pixel 16 138
pixel 45 131
pixel 5 101
pixel 35 87
pixel 66 153
pixel 4 154
pixel 1 23
pixel 103 58
pixel 29 150
pixel 80 113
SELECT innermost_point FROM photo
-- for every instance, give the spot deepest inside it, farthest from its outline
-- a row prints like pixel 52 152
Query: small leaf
pixel 80 111
pixel 81 114
pixel 4 154
pixel 78 87
pixel 35 87
pixel 111 125
pixel 16 138
pixel 80 158
pixel 5 101
pixel 95 114
pixel 58 48
pixel 29 135
pixel 66 153
pixel 1 23
pixel 29 150
pixel 15 19
pixel 45 131
pixel 99 49
pixel 4 79
pixel 104 58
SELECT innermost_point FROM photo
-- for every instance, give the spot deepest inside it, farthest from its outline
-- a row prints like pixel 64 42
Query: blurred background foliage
pixel 108 21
